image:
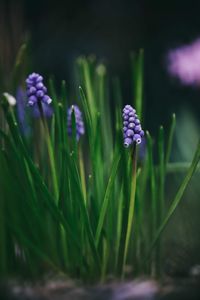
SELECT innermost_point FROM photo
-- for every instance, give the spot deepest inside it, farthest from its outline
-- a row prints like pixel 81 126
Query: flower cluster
pixel 36 90
pixel 132 129
pixel 80 130
pixel 37 93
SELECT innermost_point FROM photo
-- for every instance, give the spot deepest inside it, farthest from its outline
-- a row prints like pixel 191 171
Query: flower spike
pixel 132 129
pixel 80 129
pixel 36 90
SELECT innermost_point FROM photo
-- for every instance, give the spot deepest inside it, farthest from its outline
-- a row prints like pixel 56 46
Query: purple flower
pixel 183 63
pixel 21 111
pixel 47 111
pixel 36 90
pixel 80 130
pixel 142 150
pixel 132 130
pixel 24 112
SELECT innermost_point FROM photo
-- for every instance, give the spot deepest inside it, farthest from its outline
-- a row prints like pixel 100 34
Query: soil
pixel 141 289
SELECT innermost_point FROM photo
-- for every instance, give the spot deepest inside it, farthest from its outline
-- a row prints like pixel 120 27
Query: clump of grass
pixel 84 207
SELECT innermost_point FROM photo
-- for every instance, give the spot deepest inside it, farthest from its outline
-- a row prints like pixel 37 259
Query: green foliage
pixel 86 209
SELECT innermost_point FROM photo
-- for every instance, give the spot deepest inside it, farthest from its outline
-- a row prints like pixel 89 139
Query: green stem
pixel 89 87
pixel 137 69
pixel 160 212
pixel 170 139
pixel 50 152
pixel 131 211
pixel 82 173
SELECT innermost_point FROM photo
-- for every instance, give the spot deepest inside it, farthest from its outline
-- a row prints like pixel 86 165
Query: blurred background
pixel 59 31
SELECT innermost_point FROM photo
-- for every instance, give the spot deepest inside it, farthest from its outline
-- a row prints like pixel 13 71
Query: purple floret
pixel 36 90
pixel 132 129
pixel 80 129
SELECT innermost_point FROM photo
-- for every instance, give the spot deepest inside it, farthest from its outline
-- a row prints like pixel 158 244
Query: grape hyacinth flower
pixel 80 130
pixel 183 63
pixel 22 115
pixel 131 127
pixel 36 90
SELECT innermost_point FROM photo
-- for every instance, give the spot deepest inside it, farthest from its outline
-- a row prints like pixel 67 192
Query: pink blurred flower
pixel 184 63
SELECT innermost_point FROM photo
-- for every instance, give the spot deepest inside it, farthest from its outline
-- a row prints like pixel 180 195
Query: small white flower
pixel 11 100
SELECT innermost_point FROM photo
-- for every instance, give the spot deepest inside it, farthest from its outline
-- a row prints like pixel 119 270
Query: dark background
pixel 62 30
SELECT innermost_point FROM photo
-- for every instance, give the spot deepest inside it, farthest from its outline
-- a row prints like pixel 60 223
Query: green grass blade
pixel 152 183
pixel 161 173
pixel 106 199
pixel 130 210
pixel 89 87
pixel 178 196
pixel 137 70
pixel 170 139
pixel 86 111
pixel 177 167
pixel 17 71
pixel 119 227
pixel 160 203
pixel 78 188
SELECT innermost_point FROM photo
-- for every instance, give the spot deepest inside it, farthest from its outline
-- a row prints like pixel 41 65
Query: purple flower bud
pixel 137 138
pixel 80 129
pixel 32 100
pixel 137 121
pixel 39 94
pixel 39 85
pixel 127 142
pixel 32 76
pixel 137 128
pixel 31 90
pixel 132 119
pixel 39 78
pixel 131 113
pixel 131 125
pixel 36 90
pixel 125 129
pixel 129 133
pixel 46 99
pixel 28 81
pixel 126 111
pixel 142 133
pixel 132 128
pixel 44 89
